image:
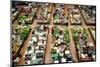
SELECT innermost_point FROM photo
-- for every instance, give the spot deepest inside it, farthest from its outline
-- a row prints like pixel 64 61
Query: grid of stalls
pixel 52 33
pixel 84 34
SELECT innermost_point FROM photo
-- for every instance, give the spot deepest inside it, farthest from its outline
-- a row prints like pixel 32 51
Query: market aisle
pixel 49 45
pixel 48 58
pixel 73 47
pixel 72 44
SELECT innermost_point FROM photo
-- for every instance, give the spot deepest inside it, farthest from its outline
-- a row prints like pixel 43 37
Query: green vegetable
pixel 66 36
pixel 24 33
pixel 56 17
pixel 75 36
pixel 56 31
pixel 21 18
pixel 85 35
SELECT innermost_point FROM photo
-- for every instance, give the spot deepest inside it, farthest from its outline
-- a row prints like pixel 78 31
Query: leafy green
pixel 21 18
pixel 56 31
pixel 66 36
pixel 24 33
pixel 85 35
pixel 56 17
